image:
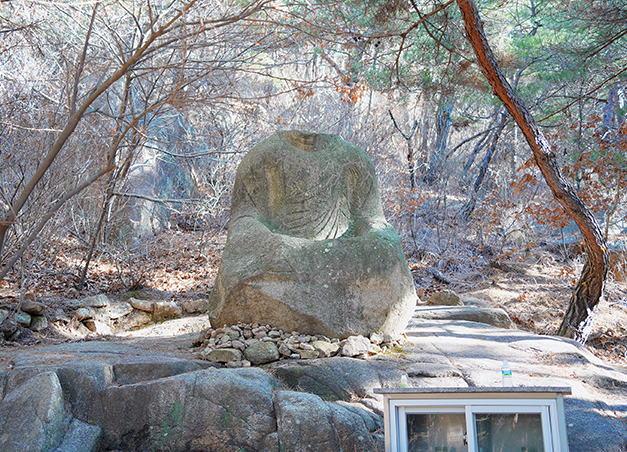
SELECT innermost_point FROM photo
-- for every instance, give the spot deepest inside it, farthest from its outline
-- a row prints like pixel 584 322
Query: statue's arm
pixel 367 218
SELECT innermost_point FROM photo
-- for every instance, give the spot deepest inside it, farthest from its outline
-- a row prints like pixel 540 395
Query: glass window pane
pixel 515 432
pixel 436 432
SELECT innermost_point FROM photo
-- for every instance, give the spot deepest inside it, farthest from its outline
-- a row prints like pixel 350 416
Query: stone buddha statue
pixel 308 247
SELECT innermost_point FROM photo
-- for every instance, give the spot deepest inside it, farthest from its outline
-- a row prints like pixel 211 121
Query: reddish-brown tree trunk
pixel 589 290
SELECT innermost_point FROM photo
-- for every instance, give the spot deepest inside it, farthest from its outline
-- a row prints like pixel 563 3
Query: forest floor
pixel 534 288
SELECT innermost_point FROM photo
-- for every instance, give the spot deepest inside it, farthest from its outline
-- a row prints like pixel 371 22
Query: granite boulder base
pixel 308 247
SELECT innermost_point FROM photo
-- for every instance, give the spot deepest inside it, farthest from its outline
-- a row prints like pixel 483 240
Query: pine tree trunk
pixel 589 290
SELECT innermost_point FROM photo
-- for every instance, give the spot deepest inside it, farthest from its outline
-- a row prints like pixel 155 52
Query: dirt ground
pixel 534 289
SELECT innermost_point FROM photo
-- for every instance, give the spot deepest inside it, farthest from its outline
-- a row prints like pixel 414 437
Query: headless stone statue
pixel 308 247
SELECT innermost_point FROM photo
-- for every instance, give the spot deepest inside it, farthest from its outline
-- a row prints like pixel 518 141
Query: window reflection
pixel 517 432
pixel 436 432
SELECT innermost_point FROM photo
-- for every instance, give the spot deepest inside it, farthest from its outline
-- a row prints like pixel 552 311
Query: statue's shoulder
pixel 288 146
pixel 272 148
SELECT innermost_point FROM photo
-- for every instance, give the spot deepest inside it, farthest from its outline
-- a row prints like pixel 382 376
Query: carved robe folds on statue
pixel 308 247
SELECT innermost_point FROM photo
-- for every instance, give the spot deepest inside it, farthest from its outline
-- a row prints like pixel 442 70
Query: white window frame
pixel 550 440
pixel 398 404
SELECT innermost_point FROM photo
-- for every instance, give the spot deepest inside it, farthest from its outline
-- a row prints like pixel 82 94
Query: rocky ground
pixel 113 344
pixel 535 291
pixel 151 391
pixel 179 268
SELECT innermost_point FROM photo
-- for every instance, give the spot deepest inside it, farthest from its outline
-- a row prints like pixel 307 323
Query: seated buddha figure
pixel 308 247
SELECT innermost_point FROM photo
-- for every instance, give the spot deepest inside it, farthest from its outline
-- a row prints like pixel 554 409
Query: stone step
pixel 490 316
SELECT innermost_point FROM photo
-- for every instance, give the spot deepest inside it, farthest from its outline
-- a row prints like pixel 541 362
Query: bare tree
pixel 166 42
pixel 469 207
pixel 410 150
pixel 443 128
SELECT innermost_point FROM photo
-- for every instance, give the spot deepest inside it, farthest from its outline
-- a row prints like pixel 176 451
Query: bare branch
pixel 598 87
pixel 42 222
pixel 81 63
pixel 159 200
pixel 30 129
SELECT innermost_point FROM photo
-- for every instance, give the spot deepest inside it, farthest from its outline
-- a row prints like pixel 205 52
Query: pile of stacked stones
pixel 99 315
pixel 29 315
pixel 93 314
pixel 243 345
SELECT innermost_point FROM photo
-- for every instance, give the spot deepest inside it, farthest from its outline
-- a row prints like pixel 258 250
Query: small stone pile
pixel 29 315
pixel 243 345
pixel 100 316
pixel 90 315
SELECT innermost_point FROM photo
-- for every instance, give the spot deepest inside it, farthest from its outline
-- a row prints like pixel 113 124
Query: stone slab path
pixel 471 354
